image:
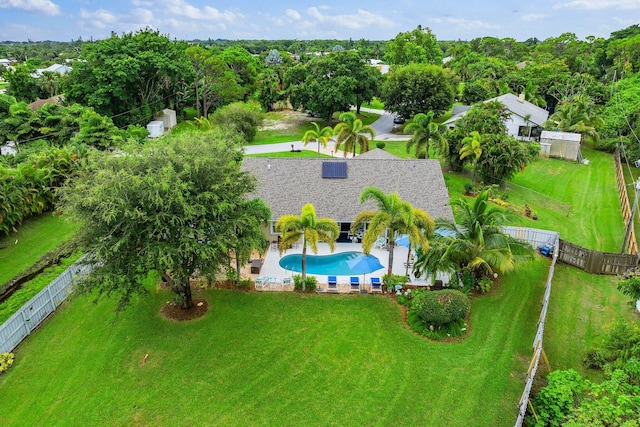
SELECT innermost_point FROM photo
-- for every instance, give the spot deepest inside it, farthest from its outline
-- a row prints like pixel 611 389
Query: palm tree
pixel 311 229
pixel 577 115
pixel 352 133
pixel 322 137
pixel 476 245
pixel 394 216
pixel 426 131
pixel 472 147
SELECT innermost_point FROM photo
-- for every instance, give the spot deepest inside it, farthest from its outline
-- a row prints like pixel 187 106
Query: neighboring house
pixel 563 145
pixel 286 184
pixel 526 120
pixel 5 62
pixel 39 103
pixel 384 68
pixel 55 68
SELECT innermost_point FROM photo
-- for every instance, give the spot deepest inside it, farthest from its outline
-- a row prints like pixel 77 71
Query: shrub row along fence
pixel 537 238
pixel 632 245
pixel 30 315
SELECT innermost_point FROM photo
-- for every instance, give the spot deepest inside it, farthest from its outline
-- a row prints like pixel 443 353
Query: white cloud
pixel 360 19
pixel 533 17
pixel 464 24
pixel 142 3
pixel 599 4
pixel 45 7
pixel 105 20
pixel 180 8
pixel 292 14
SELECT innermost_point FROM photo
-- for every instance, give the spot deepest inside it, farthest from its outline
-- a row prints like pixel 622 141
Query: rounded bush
pixel 441 307
pixel 381 145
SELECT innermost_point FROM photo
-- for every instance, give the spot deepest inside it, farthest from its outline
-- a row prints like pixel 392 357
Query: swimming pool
pixel 334 264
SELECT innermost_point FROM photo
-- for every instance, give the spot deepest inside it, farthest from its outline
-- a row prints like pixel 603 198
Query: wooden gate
pixel 595 262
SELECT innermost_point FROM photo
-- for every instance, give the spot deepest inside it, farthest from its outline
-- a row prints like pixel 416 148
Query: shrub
pixel 310 283
pixel 381 145
pixel 484 285
pixel 396 279
pixel 6 360
pixel 422 154
pixel 243 117
pixel 437 308
pixel 553 403
pixel 631 288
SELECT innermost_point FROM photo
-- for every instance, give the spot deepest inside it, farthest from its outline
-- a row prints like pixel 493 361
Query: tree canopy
pixel 174 207
pixel 412 47
pixel 418 88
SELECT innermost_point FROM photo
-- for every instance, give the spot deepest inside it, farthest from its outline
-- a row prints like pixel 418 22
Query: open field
pixel 35 237
pixel 274 358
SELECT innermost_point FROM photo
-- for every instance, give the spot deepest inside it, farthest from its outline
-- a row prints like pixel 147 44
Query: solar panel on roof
pixel 334 170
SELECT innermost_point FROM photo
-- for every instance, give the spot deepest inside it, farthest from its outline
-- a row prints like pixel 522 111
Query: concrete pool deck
pixel 271 267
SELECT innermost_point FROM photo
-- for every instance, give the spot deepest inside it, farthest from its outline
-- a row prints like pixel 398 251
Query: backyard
pixel 265 358
pixel 292 359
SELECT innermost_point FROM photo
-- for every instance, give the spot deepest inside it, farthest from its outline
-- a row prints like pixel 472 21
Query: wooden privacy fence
pixel 30 315
pixel 632 245
pixel 595 262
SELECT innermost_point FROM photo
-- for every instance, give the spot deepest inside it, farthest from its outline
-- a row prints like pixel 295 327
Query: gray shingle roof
pixel 286 184
pixel 513 104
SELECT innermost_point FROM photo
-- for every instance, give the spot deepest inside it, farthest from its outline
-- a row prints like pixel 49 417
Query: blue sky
pixel 373 20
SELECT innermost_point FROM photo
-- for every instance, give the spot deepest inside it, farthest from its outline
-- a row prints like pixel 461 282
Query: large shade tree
pixel 311 229
pixel 416 46
pixel 174 207
pixel 474 243
pixel 130 77
pixel 351 133
pixel 418 88
pixel 394 216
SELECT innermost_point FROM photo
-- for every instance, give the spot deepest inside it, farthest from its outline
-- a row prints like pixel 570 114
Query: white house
pixel 526 119
pixel 55 68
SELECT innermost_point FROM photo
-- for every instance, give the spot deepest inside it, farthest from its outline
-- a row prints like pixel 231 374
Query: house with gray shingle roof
pixel 286 184
pixel 526 119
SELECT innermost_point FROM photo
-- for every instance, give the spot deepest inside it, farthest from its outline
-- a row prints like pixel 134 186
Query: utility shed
pixel 155 128
pixel 168 117
pixel 564 145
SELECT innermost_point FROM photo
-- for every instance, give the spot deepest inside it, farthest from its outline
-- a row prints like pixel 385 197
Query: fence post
pixel 25 321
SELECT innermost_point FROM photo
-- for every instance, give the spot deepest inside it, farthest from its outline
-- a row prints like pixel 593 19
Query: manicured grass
pixel 29 289
pixel 37 236
pixel 302 154
pixel 375 104
pixel 581 305
pixel 580 201
pixel 274 359
pixel 296 132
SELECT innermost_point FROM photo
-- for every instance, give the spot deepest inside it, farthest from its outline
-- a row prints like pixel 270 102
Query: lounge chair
pixel 354 284
pixel 261 282
pixel 381 243
pixel 376 286
pixel 332 284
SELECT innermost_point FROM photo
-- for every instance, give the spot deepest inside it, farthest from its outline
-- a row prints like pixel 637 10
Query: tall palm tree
pixel 311 229
pixel 394 216
pixel 577 115
pixel 321 136
pixel 475 245
pixel 426 131
pixel 472 147
pixel 352 133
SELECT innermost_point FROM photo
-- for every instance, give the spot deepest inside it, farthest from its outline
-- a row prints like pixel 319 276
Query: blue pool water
pixel 334 264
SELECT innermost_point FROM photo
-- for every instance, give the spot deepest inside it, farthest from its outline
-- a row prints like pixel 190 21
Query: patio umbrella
pixel 403 240
pixel 364 264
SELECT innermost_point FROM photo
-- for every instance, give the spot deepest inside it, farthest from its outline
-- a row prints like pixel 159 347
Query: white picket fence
pixel 537 238
pixel 30 315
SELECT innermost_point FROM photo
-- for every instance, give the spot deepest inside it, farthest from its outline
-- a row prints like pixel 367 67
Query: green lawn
pixel 581 305
pixel 375 104
pixel 580 201
pixel 37 236
pixel 274 359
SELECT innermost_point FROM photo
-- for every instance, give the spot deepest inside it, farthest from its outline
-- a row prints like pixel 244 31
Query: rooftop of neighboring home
pixel 517 105
pixel 333 186
pixel 55 68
